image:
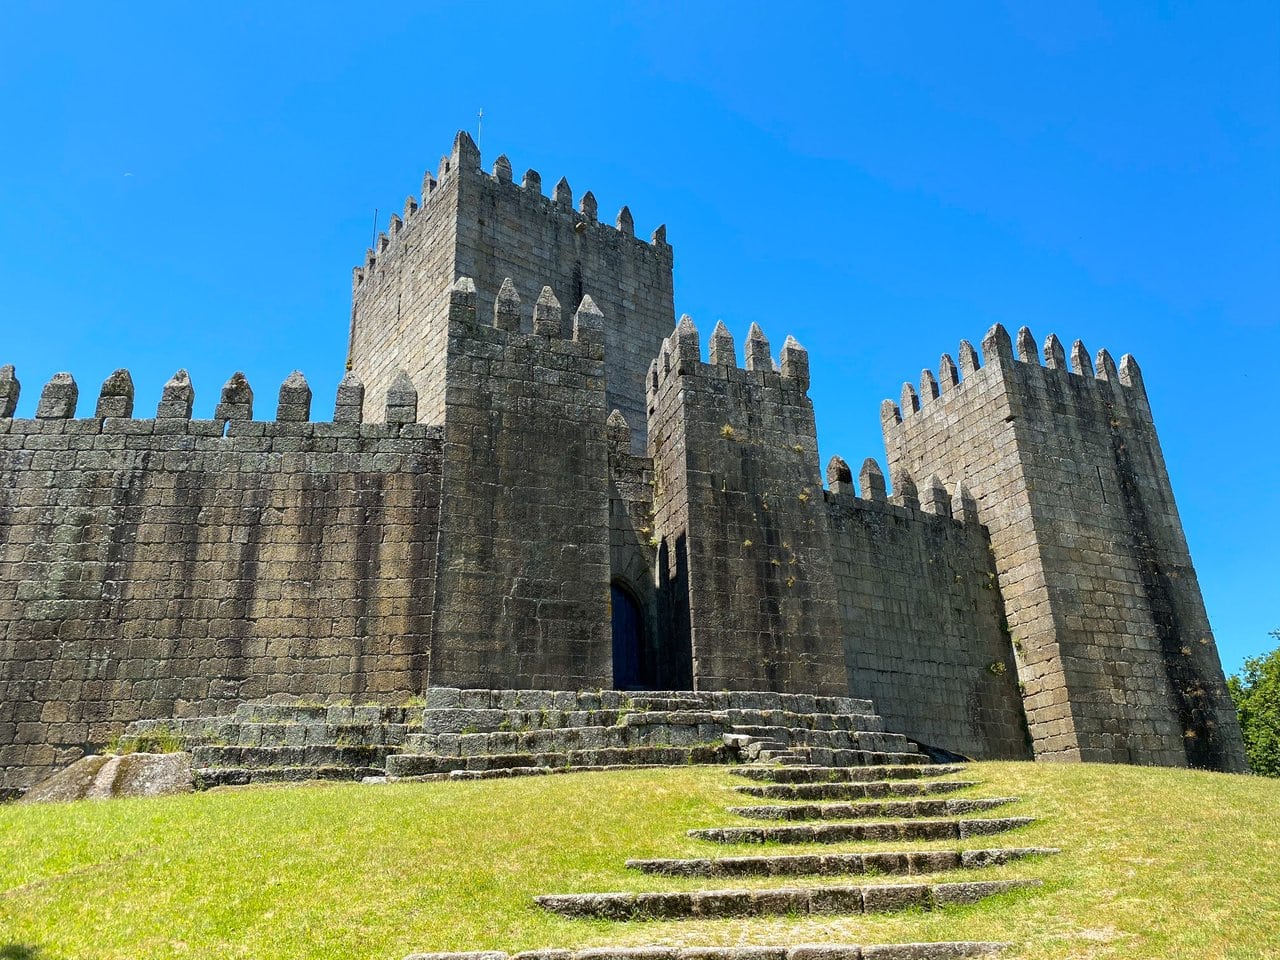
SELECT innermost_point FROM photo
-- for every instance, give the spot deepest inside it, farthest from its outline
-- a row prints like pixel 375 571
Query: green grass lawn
pixel 1155 864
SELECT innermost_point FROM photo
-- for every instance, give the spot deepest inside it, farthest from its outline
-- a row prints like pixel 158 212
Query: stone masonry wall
pixel 1116 655
pixel 523 592
pixel 488 228
pixel 736 480
pixel 512 230
pixel 923 617
pixel 172 567
pixel 399 298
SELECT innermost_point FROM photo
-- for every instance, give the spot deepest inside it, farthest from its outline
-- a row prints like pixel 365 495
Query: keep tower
pixel 485 226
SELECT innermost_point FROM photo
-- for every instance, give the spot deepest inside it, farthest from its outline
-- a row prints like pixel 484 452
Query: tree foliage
pixel 1256 692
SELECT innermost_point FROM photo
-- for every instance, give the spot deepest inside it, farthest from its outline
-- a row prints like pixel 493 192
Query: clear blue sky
pixel 189 185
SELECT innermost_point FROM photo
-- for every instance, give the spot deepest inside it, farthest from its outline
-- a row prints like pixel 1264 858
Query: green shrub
pixel 1256 692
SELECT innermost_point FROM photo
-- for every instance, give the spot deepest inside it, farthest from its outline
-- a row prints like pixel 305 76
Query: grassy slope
pixel 1156 864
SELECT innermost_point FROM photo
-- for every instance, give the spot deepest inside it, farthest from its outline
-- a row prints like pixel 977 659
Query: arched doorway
pixel 633 667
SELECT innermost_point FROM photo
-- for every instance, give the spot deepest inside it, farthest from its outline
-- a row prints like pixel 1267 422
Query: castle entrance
pixel 633 666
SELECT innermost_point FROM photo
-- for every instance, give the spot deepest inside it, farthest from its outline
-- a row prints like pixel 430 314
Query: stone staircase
pixel 822 768
pixel 284 742
pixel 918 816
pixel 486 733
pixel 913 819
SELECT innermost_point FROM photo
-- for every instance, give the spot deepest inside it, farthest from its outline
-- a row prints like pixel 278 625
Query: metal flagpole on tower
pixel 479 129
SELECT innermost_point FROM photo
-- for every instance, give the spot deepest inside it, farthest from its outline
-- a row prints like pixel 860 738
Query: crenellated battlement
pixel 114 409
pixel 536 333
pixel 681 356
pixel 464 160
pixel 1123 383
pixel 908 500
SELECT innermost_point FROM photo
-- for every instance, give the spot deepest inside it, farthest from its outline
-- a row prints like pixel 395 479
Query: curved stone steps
pixel 860 774
pixel 872 808
pixel 783 901
pixel 870 790
pixel 898 863
pixel 943 950
pixel 878 831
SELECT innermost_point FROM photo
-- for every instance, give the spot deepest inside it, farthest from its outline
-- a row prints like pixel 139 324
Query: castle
pixel 534 477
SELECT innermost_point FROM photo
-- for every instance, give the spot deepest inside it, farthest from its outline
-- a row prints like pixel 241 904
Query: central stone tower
pixel 488 228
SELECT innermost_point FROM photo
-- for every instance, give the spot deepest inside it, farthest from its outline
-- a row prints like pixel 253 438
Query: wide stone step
pixel 882 831
pixel 662 704
pixel 805 721
pixel 451 698
pixel 823 774
pixel 558 740
pixel 787 757
pixel 505 773
pixel 827 757
pixel 783 901
pixel 188 730
pixel 369 714
pixel 854 791
pixel 941 950
pixel 909 862
pixel 313 755
pixel 873 808
pixel 209 777
pixel 280 734
pixel 753 700
pixel 416 765
pixel 495 720
pixel 870 740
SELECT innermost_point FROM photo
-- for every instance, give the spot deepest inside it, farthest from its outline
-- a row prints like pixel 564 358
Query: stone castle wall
pixel 399 299
pixel 1116 656
pixel 169 567
pixel 922 616
pixel 736 480
pixel 1029 577
pixel 523 595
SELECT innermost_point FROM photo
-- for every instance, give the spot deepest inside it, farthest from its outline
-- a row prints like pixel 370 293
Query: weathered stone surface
pixel 10 389
pixel 58 398
pixel 1094 579
pixel 854 791
pixel 236 402
pixel 295 399
pixel 878 831
pixel 736 451
pixel 881 808
pixel 317 529
pixel 102 777
pixel 116 397
pixel 781 901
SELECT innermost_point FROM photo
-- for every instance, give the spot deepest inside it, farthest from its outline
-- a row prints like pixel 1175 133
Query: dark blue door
pixel 628 641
